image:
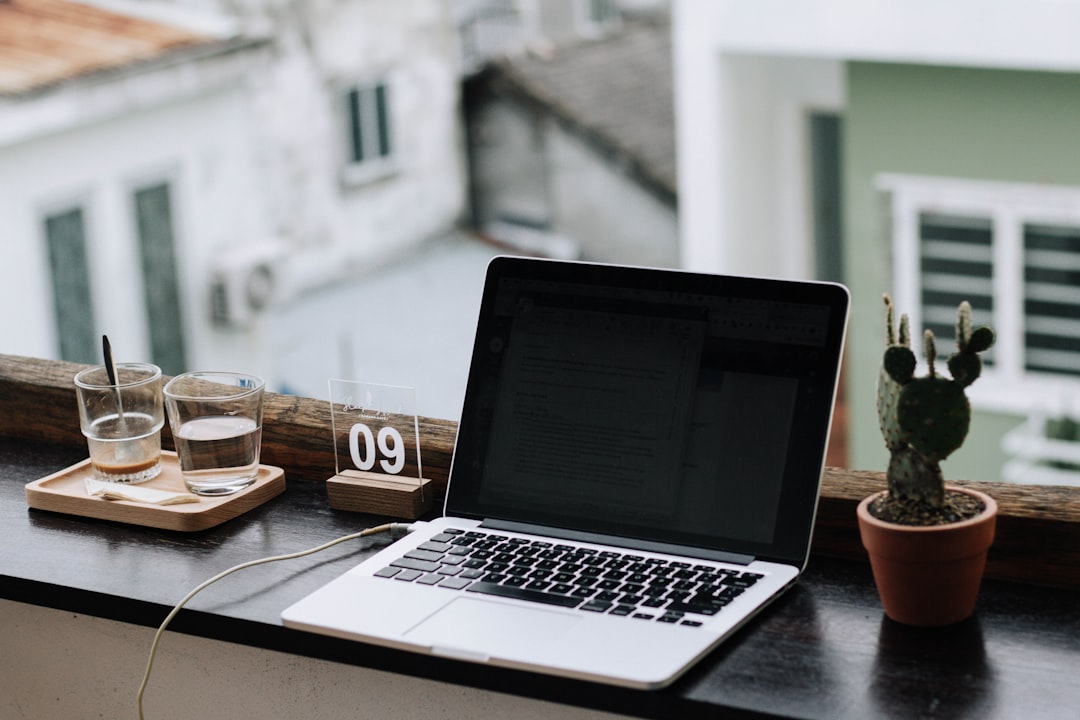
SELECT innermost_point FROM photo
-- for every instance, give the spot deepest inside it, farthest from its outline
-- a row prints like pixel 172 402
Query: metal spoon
pixel 123 451
pixel 110 370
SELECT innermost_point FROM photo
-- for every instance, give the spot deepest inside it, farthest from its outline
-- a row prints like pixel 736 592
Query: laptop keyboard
pixel 615 583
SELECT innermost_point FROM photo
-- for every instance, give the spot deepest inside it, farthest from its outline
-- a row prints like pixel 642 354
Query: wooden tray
pixel 65 492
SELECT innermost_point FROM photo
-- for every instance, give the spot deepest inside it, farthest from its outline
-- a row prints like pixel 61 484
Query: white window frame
pixel 1006 386
pixel 372 167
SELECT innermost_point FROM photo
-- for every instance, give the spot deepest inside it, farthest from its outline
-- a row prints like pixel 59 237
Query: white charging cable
pixel 388 527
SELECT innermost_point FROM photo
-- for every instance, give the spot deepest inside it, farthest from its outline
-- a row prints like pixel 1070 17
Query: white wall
pixel 744 198
pixel 1037 34
pixel 63 665
pixel 199 145
pixel 765 119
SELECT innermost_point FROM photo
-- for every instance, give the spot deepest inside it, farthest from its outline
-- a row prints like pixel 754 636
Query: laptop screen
pixel 657 405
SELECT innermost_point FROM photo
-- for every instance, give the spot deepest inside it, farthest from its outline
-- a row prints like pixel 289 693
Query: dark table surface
pixel 824 650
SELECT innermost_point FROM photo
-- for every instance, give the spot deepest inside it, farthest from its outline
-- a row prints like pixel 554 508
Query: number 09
pixel 391 448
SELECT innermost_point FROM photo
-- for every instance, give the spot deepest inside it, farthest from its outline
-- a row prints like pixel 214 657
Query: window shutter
pixel 66 238
pixel 382 118
pixel 1052 299
pixel 368 117
pixel 355 126
pixel 956 264
pixel 153 217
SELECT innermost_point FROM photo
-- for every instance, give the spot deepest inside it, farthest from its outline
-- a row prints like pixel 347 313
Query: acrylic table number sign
pixel 377 467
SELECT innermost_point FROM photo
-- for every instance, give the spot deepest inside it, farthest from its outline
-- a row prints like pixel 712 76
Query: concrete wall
pixel 613 217
pixel 63 665
pixel 508 153
pixel 528 166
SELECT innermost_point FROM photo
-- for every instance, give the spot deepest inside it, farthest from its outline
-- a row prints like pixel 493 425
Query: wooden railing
pixel 1038 530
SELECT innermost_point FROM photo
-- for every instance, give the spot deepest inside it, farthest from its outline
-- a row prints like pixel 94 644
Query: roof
pixel 616 91
pixel 43 42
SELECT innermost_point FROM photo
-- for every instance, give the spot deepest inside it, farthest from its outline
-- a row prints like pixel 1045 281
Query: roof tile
pixel 48 41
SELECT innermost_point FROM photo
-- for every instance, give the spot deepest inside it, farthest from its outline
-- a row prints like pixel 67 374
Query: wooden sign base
pixel 380 494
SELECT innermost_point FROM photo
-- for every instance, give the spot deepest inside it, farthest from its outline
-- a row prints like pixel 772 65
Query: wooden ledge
pixel 1037 539
pixel 39 404
pixel 1038 530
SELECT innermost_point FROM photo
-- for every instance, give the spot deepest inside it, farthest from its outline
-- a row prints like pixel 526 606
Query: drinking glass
pixel 216 421
pixel 122 422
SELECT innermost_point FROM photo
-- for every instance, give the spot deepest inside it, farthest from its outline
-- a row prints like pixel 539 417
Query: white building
pixel 166 161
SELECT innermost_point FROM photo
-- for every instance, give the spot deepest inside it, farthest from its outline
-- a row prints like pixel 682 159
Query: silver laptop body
pixel 635 475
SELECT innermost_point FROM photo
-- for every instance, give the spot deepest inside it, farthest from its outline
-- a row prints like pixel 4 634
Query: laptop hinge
pixel 625 542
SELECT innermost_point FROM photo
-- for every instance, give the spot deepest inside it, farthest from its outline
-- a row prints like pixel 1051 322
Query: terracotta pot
pixel 928 576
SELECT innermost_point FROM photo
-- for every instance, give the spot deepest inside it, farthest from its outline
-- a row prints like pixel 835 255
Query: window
pixel 65 236
pixel 597 17
pixel 368 127
pixel 602 12
pixel 1052 298
pixel 825 135
pixel 1012 251
pixel 955 264
pixel 153 221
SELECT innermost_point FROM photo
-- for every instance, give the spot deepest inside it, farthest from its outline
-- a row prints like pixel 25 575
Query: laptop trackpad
pixel 476 629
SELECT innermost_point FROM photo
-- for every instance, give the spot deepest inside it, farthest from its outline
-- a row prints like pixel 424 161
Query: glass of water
pixel 216 421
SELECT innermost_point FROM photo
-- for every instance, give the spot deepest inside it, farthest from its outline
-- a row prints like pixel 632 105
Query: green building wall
pixel 970 123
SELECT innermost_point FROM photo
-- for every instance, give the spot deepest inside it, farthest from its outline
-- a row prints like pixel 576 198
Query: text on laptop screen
pixel 663 414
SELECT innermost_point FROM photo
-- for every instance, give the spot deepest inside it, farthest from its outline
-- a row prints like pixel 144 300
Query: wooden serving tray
pixel 65 492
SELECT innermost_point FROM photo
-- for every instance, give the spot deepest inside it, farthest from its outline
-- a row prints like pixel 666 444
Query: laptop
pixel 635 475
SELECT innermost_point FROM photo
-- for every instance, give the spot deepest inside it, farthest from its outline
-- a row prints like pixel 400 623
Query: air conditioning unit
pixel 244 281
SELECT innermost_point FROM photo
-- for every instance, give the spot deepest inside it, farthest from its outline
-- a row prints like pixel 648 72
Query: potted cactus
pixel 927 541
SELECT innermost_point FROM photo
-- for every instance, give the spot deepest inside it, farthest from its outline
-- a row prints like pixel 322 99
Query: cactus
pixel 924 419
pixel 888 390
